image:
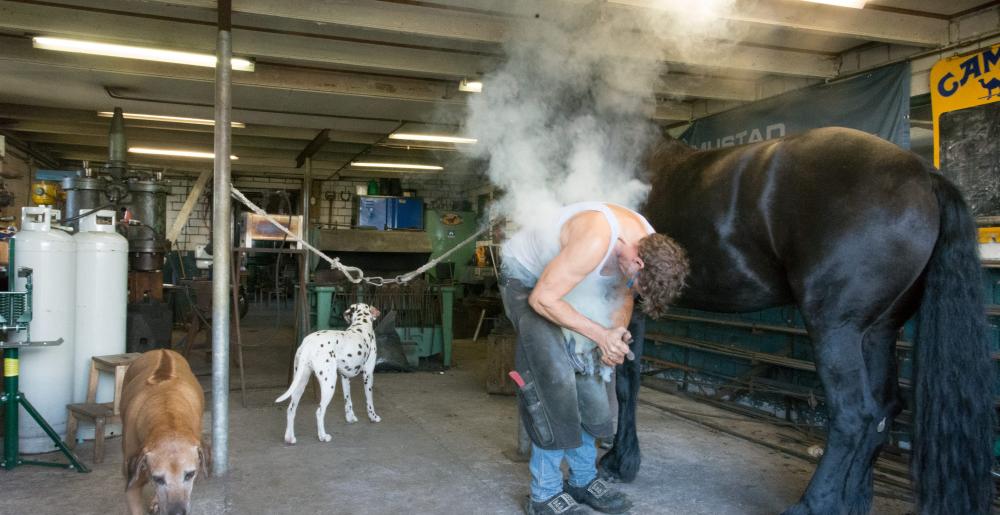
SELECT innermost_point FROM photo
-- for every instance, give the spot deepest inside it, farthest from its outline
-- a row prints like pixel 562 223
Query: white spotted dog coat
pixel 329 353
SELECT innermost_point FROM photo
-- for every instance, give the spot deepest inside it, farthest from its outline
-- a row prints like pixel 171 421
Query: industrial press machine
pixel 140 200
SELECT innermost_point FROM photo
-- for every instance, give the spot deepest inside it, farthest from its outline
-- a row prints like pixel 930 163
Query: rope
pixel 353 273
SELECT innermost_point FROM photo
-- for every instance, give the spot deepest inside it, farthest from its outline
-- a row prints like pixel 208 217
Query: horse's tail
pixel 954 372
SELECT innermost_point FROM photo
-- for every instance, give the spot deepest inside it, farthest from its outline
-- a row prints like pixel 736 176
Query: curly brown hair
pixel 662 277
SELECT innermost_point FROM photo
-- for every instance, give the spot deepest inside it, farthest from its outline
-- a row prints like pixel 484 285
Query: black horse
pixel 860 235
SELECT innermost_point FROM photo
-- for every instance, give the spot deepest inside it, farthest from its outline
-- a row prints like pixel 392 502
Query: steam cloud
pixel 567 117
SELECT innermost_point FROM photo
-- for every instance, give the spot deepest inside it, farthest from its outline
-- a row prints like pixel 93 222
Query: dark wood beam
pixel 314 146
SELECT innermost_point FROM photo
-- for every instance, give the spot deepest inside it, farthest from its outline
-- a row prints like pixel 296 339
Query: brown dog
pixel 162 405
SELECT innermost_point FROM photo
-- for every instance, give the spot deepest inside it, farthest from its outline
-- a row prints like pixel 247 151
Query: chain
pixel 353 273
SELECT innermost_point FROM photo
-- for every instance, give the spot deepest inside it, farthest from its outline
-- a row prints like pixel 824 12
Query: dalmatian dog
pixel 327 354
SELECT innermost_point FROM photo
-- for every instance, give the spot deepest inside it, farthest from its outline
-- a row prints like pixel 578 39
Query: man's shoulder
pixel 588 228
pixel 589 220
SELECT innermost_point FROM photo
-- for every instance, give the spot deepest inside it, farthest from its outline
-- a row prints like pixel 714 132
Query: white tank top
pixel 534 247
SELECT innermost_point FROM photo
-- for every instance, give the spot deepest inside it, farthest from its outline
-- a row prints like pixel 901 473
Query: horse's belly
pixel 721 283
pixel 729 301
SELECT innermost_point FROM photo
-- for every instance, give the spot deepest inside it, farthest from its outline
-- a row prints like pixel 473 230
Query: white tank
pixel 47 372
pixel 101 297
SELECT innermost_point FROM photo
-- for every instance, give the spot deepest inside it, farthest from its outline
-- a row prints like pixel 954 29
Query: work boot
pixel 561 504
pixel 599 496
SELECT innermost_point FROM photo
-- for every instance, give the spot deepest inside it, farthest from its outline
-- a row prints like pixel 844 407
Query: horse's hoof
pixel 613 468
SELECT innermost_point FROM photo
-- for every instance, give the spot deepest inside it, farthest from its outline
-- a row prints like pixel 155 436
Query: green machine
pixel 424 319
pixel 445 230
pixel 15 316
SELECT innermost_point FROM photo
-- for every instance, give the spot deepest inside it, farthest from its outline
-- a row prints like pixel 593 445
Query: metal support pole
pixel 222 246
pixel 306 200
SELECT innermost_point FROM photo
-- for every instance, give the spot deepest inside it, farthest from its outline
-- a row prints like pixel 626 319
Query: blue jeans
pixel 546 474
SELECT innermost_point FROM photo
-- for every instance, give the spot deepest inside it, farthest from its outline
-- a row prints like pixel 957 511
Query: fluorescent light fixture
pixel 856 4
pixel 471 86
pixel 174 153
pixel 436 138
pixel 136 52
pixel 401 166
pixel 162 118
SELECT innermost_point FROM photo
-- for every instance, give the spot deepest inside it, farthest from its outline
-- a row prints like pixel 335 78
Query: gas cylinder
pixel 47 372
pixel 101 298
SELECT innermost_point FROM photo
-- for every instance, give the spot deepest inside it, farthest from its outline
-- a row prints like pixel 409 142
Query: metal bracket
pixel 38 343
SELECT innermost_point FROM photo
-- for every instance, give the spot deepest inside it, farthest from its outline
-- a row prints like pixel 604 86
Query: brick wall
pixel 198 227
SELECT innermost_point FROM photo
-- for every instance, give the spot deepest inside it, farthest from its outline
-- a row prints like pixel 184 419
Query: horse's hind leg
pixel 857 369
pixel 880 362
pixel 622 462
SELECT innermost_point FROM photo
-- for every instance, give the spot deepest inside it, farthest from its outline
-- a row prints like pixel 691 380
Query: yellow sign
pixel 10 367
pixel 961 82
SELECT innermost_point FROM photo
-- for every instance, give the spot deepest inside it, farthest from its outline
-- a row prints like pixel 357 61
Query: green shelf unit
pixel 328 303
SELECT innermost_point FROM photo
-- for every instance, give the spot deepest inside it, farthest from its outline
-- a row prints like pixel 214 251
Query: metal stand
pixel 11 399
pixel 235 334
pixel 15 316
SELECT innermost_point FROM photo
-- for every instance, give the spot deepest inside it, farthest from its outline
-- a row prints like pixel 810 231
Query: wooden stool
pixel 99 413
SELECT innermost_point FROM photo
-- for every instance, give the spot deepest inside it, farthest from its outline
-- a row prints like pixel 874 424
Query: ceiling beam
pixel 148 137
pixel 184 141
pixel 273 76
pixel 286 156
pixel 56 127
pixel 69 21
pixel 313 147
pixel 73 152
pixel 259 168
pixel 72 121
pixel 374 15
pixel 345 83
pixel 697 86
pixel 864 24
pixel 53 20
pixel 672 112
pixel 890 27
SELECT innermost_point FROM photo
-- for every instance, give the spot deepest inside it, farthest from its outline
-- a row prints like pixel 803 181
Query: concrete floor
pixel 438 449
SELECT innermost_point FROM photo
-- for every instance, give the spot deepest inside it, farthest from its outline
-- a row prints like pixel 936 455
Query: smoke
pixel 568 116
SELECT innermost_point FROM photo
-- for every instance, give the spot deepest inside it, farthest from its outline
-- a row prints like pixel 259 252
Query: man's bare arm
pixel 586 240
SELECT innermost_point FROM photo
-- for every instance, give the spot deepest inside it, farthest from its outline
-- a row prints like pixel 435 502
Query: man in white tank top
pixel 568 287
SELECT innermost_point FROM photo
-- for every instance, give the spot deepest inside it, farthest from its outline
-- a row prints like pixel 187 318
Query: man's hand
pixel 613 346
